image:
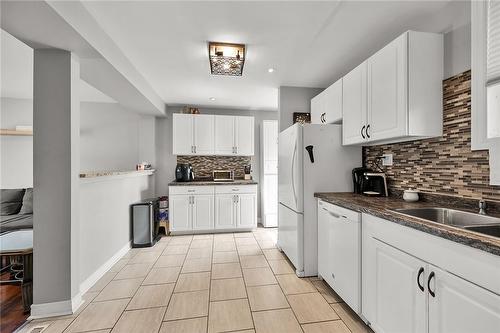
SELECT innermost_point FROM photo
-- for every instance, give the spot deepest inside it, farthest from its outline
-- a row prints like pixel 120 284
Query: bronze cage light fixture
pixel 226 58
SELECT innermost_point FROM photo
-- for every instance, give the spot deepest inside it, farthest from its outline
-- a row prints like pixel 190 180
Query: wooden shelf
pixel 16 133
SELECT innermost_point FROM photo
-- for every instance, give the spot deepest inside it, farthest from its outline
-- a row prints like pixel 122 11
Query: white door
pixel 317 109
pixel 270 200
pixel 270 142
pixel 354 106
pixel 333 103
pixel 182 128
pixel 246 210
pixel 290 168
pixel 203 212
pixel 225 211
pixel 459 306
pixel 244 138
pixel 224 135
pixel 399 304
pixel 203 134
pixel 180 212
pixel 387 76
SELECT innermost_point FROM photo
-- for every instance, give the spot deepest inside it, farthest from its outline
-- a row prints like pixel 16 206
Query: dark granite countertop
pixel 381 207
pixel 209 182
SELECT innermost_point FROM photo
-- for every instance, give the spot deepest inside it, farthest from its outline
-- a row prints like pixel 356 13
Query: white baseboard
pixel 94 277
pixel 53 309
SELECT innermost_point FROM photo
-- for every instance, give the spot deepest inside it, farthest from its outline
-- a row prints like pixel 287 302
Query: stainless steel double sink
pixel 483 224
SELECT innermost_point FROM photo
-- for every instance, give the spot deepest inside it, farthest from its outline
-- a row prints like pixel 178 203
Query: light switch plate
pixel 387 160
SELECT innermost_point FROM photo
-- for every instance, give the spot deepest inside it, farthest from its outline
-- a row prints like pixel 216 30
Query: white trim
pixel 53 309
pixel 94 277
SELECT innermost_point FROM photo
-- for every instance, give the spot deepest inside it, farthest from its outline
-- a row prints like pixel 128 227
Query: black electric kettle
pixel 184 172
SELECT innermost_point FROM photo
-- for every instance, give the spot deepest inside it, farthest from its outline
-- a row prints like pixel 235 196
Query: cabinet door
pixel 397 304
pixel 387 81
pixel 354 112
pixel 203 134
pixel 180 212
pixel 246 210
pixel 269 142
pixel 317 109
pixel 224 135
pixel 225 211
pixel 182 129
pixel 333 103
pixel 203 212
pixel 460 306
pixel 244 139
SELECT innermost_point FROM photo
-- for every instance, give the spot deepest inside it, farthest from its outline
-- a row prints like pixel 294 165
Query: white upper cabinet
pixel 212 135
pixel 193 134
pixel 396 95
pixel 326 107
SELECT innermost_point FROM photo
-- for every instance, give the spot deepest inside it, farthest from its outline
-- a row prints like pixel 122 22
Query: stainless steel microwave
pixel 223 175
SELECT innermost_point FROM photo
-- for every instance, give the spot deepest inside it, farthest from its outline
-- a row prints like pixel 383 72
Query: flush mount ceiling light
pixel 226 58
pixel 212 98
pixel 271 70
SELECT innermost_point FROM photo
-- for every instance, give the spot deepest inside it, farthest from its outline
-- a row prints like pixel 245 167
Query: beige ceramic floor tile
pixel 273 254
pixel 161 275
pixel 327 292
pixel 253 261
pixel 267 244
pixel 199 253
pixel 266 298
pixel 145 257
pixel 227 289
pixel 276 321
pixel 119 289
pixel 258 276
pixel 103 281
pixel 353 322
pixel 195 325
pixel 226 271
pixel 281 267
pixel 119 265
pixel 130 254
pixel 176 249
pixel 193 282
pixel 144 321
pixel 172 260
pixel 249 250
pixel 92 317
pixel 291 284
pixel 201 244
pixel 229 316
pixel 151 296
pixel 243 235
pixel 57 326
pixel 181 240
pixel 225 257
pixel 197 265
pixel 206 236
pixel 188 305
pixel 133 271
pixel 310 308
pixel 245 241
pixel 224 246
pixel 336 326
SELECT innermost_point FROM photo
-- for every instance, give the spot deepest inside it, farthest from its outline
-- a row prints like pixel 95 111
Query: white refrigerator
pixel 299 178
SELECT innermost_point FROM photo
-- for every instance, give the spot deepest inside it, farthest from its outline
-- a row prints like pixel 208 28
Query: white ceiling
pixel 311 44
pixel 17 72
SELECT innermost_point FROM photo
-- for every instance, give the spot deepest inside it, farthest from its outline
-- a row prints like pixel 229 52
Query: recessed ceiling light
pixel 212 98
pixel 271 70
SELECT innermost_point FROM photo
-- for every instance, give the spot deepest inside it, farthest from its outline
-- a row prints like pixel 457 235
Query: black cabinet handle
pixel 432 293
pixel 367 134
pixel 362 129
pixel 323 118
pixel 420 271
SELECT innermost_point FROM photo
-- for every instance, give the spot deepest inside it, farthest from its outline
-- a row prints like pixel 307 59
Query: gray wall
pixel 294 99
pixel 457 51
pixel 166 161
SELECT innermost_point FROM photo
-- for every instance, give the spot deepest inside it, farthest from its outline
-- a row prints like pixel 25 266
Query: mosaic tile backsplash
pixel 204 165
pixel 444 165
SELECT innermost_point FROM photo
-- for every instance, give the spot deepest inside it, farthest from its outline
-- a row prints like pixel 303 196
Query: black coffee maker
pixel 369 182
pixel 184 172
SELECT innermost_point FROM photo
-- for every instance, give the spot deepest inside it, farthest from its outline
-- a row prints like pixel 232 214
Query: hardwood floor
pixel 11 307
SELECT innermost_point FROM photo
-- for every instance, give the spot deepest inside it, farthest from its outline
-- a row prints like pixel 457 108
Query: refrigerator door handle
pixel 293 173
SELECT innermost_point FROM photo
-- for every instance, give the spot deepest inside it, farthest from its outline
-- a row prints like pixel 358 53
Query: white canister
pixel 410 195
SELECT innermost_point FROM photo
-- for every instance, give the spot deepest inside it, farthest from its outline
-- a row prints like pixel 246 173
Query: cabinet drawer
pixel 228 189
pixel 180 190
pixel 350 214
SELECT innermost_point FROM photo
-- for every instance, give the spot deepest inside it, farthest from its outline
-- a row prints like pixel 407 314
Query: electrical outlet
pixel 387 160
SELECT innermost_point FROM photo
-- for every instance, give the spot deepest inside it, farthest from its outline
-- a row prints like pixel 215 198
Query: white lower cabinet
pixel 411 282
pixel 206 208
pixel 339 252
